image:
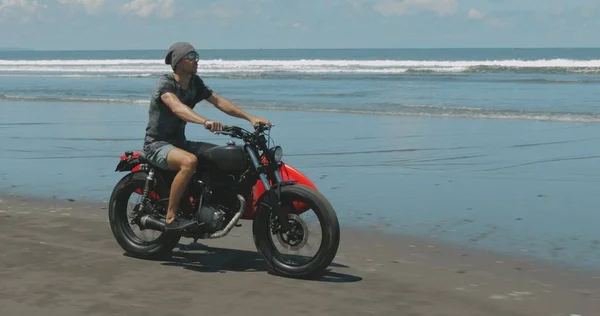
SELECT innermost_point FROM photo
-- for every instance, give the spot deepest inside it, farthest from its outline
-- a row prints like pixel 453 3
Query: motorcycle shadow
pixel 202 258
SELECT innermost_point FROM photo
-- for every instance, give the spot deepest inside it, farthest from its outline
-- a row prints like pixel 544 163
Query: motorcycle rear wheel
pixel 119 222
pixel 330 230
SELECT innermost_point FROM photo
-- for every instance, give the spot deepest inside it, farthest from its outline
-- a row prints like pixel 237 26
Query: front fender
pixel 289 175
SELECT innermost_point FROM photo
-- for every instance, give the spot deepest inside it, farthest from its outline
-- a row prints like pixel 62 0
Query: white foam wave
pixel 450 112
pixel 138 75
pixel 404 110
pixel 319 62
pixel 78 100
pixel 134 66
pixel 81 62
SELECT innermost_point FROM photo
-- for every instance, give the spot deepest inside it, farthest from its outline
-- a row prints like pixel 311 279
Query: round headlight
pixel 277 153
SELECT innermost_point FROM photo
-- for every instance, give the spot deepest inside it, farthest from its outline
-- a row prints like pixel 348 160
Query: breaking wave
pixel 150 67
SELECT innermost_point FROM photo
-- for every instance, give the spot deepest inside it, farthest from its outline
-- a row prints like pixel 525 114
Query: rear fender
pixel 129 161
pixel 290 176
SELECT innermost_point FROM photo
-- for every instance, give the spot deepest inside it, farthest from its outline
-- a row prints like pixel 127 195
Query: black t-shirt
pixel 163 125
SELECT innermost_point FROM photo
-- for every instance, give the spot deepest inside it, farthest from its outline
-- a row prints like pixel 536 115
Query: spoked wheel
pixel 312 257
pixel 121 220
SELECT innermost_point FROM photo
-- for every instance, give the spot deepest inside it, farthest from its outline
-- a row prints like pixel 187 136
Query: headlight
pixel 277 153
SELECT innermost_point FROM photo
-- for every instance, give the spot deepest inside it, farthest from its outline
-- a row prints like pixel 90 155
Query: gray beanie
pixel 176 52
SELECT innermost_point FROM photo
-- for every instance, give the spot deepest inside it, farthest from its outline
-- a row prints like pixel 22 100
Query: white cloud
pixel 227 9
pixel 355 4
pixel 18 10
pixel 491 21
pixel 496 22
pixel 474 14
pixel 589 10
pixel 300 26
pixel 404 7
pixel 90 6
pixel 145 8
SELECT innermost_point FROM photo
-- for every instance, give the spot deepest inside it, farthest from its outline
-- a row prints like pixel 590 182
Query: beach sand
pixel 59 258
pixel 460 188
pixel 522 187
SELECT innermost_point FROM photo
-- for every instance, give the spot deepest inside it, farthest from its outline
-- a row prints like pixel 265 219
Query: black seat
pixel 142 157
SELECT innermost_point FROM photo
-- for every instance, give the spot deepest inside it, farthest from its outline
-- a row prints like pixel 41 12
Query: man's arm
pixel 181 110
pixel 227 107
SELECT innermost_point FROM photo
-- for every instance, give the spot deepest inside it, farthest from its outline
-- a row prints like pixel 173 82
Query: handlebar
pixel 238 132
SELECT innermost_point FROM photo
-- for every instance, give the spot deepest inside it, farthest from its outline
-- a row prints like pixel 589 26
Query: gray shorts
pixel 158 152
pixel 158 156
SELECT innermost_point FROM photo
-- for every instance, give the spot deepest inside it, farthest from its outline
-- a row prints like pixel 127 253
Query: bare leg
pixel 185 162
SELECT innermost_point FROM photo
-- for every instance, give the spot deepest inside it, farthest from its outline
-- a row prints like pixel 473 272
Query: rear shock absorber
pixel 149 179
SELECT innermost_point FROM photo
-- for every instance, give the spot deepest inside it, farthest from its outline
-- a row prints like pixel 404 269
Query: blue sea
pixel 495 149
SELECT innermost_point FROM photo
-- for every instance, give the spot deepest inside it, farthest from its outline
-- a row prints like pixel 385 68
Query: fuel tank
pixel 227 158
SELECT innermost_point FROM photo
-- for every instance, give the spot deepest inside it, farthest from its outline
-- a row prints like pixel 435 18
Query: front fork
pixel 273 194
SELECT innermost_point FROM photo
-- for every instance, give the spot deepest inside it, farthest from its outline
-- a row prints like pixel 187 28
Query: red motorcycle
pixel 232 182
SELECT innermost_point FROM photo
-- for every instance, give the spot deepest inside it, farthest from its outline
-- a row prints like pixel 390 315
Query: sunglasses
pixel 192 56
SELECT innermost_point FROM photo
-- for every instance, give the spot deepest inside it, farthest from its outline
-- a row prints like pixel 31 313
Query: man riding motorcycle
pixel 171 108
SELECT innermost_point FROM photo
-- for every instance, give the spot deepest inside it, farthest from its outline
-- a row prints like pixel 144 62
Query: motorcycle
pixel 232 182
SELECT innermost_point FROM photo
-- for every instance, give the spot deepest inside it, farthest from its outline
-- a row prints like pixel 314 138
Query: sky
pixel 234 24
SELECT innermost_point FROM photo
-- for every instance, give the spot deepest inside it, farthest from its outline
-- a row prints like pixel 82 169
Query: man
pixel 171 108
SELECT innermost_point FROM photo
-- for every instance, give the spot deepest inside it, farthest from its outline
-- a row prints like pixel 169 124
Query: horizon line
pixel 16 49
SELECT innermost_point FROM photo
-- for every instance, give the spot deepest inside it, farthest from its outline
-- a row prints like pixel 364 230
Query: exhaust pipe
pixel 234 220
pixel 150 222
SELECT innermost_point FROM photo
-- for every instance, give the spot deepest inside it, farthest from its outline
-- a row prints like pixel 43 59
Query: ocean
pixel 492 148
pixel 531 84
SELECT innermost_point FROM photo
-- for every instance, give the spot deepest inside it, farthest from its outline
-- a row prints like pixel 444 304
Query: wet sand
pixel 59 258
pixel 513 186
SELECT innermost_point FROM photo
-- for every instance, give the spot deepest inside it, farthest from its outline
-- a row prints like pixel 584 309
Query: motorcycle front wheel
pixel 265 229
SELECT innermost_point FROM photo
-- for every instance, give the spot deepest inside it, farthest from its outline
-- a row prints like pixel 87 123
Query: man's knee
pixel 182 160
pixel 189 162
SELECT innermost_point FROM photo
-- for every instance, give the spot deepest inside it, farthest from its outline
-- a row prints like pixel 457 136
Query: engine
pixel 218 203
pixel 213 218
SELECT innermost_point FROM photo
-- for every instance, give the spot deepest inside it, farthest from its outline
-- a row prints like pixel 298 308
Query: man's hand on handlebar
pixel 255 120
pixel 213 126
